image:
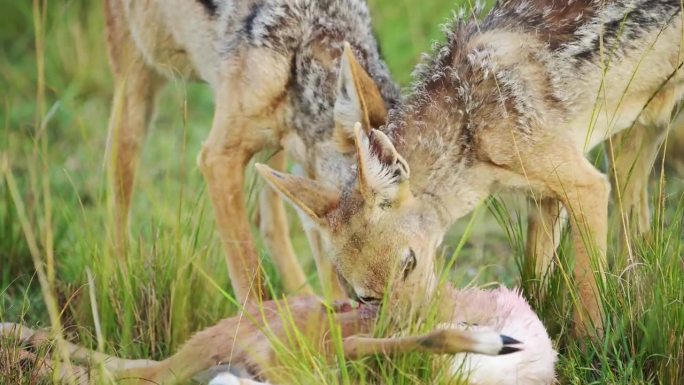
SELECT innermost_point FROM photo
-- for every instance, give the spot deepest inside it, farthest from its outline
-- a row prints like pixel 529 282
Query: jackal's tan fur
pixel 512 102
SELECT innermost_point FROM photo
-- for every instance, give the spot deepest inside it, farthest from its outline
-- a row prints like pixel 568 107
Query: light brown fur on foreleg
pixel 543 235
pixel 585 192
pixel 239 130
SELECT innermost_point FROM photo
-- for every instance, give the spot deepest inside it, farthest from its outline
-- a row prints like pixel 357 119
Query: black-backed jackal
pixel 513 102
pixel 273 67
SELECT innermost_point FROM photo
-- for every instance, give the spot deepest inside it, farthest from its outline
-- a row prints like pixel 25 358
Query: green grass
pixel 52 139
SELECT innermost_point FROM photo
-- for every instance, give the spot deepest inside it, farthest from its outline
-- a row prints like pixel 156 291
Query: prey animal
pixel 273 68
pixel 510 102
pixel 249 349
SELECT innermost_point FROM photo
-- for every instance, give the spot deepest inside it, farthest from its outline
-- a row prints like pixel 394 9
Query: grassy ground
pixel 53 119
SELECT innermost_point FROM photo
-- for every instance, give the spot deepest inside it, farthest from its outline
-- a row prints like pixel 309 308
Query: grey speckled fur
pixel 295 28
pixel 473 88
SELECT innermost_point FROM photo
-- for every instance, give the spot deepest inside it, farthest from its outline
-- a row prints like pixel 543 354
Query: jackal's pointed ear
pixel 312 198
pixel 358 100
pixel 383 174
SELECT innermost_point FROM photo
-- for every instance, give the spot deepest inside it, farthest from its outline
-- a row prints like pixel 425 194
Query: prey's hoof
pixel 508 343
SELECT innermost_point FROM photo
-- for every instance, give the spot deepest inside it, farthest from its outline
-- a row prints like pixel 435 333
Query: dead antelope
pixel 512 102
pixel 474 321
pixel 273 67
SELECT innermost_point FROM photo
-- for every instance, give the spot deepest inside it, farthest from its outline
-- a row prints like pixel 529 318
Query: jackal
pixel 512 102
pixel 273 68
pixel 250 345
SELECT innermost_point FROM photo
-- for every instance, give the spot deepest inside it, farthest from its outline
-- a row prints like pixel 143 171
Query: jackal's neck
pixel 438 145
pixel 472 85
pixel 436 129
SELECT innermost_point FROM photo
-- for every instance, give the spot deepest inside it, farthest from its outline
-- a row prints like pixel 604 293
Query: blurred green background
pixel 166 288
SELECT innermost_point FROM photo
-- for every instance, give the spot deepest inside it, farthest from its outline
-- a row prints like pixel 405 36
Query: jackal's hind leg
pixel 674 156
pixel 545 224
pixel 632 154
pixel 275 232
pixel 132 107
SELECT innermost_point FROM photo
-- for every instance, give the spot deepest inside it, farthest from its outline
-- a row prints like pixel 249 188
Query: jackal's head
pixel 379 236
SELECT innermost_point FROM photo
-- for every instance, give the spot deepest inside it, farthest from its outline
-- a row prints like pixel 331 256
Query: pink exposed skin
pixel 507 312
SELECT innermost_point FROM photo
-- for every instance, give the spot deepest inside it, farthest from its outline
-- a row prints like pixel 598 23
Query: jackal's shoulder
pixel 522 61
pixel 575 32
pixel 287 24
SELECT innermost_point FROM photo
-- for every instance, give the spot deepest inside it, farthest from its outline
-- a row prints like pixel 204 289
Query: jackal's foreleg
pixel 584 192
pixel 326 273
pixel 249 98
pixel 223 169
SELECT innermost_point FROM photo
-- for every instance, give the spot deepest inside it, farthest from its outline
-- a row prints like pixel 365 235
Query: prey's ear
pixel 312 198
pixel 383 174
pixel 358 100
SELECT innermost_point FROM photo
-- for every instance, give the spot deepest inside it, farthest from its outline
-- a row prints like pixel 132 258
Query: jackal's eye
pixel 409 263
